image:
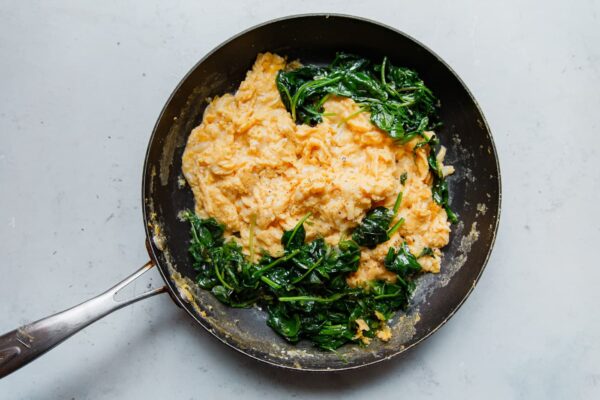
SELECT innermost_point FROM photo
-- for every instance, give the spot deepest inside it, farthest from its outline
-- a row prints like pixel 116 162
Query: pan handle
pixel 24 344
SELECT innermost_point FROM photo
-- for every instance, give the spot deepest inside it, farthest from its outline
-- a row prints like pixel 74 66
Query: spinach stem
pixel 298 225
pixel 194 231
pixel 323 100
pixel 402 281
pixel 361 110
pixel 270 282
pixel 275 263
pixel 220 277
pixel 390 90
pixel 316 299
pixel 315 265
pixel 310 84
pixel 394 228
pixel 339 355
pixel 383 71
pixel 397 204
pixel 389 295
pixel 287 94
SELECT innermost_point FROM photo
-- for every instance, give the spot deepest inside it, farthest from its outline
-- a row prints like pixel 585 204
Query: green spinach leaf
pixel 304 291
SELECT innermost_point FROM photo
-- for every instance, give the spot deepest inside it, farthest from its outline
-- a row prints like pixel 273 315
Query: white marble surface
pixel 81 85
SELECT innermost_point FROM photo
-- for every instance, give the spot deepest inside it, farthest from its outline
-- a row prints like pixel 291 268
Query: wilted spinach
pixel 439 189
pixel 398 100
pixel 303 290
pixel 375 226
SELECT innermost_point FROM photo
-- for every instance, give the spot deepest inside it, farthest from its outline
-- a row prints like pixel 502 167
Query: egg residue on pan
pixel 248 163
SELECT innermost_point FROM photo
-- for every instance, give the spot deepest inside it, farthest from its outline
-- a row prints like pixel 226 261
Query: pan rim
pixel 153 250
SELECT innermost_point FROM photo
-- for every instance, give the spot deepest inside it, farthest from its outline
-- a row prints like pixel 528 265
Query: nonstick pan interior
pixel 474 189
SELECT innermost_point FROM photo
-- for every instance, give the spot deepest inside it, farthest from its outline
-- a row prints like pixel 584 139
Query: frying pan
pixel 474 189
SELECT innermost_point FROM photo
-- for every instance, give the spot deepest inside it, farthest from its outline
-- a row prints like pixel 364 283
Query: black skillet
pixel 475 196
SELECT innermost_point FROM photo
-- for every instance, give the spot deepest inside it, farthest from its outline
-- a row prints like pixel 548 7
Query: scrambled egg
pixel 249 164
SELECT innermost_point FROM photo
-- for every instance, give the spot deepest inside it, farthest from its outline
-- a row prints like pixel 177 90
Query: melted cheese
pixel 249 162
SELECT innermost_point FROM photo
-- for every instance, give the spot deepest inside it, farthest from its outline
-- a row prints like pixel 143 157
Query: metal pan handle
pixel 25 344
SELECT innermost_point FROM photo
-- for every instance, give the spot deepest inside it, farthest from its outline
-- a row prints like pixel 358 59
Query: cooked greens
pixel 304 290
pixel 401 261
pixel 403 178
pixel 375 226
pixel 398 100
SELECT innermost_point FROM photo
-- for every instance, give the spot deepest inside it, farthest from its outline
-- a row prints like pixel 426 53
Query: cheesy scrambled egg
pixel 251 167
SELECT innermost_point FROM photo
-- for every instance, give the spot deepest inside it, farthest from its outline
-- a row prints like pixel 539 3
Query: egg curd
pixel 252 168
